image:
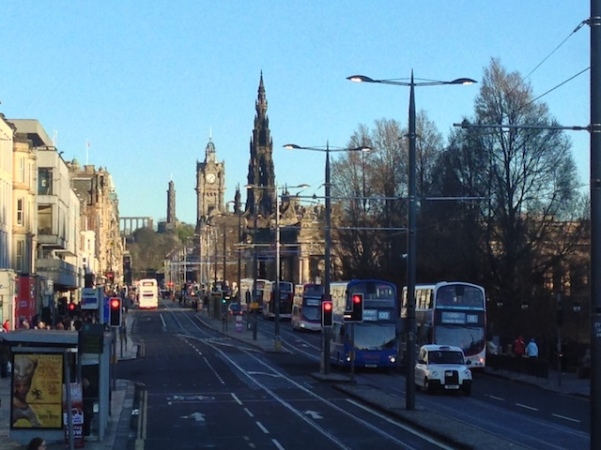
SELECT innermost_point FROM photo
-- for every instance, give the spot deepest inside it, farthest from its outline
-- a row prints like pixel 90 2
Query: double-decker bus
pixel 247 289
pixel 375 339
pixel 306 307
pixel 148 293
pixel 451 313
pixel 286 295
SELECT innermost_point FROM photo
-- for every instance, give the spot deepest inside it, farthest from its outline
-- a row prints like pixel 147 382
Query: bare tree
pixel 529 178
pixel 372 195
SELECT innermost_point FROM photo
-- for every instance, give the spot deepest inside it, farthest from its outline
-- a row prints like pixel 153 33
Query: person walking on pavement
pixel 532 349
pixel 519 348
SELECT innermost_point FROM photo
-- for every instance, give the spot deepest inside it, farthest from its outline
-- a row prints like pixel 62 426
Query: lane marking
pixel 236 398
pixel 213 370
pixel 501 399
pixel 559 416
pixel 274 372
pixel 398 424
pixel 277 444
pixel 260 425
pixel 248 412
pixel 521 405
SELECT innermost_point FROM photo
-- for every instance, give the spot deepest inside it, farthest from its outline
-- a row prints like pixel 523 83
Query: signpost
pixel 90 298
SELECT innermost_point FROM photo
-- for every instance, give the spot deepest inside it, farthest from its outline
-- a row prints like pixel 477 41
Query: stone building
pixel 102 243
pixel 231 239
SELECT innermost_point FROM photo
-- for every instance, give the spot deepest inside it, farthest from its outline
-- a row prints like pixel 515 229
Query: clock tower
pixel 210 185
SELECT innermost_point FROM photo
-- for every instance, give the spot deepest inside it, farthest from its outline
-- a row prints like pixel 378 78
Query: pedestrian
pixel 519 348
pixel 532 349
pixel 37 443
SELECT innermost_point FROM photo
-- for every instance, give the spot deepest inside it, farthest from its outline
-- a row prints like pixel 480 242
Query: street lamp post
pixel 411 221
pixel 253 302
pixel 325 340
pixel 277 340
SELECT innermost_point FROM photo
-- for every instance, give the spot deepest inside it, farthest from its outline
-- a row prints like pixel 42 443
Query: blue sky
pixel 146 83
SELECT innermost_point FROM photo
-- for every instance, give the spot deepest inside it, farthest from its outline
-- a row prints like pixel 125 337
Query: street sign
pixel 90 299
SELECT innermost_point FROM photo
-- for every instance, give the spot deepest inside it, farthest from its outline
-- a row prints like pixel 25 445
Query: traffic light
pixel 326 313
pixel 62 306
pixel 357 311
pixel 71 308
pixel 115 311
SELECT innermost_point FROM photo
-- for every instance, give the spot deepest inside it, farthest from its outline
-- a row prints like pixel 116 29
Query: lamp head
pixel 361 79
pixel 292 146
pixel 464 81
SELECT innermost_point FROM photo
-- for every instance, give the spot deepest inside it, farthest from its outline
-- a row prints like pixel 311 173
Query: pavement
pixel 455 433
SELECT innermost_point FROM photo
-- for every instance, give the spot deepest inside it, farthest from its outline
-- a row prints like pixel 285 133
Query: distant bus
pixel 286 296
pixel 306 307
pixel 375 339
pixel 246 291
pixel 451 313
pixel 148 293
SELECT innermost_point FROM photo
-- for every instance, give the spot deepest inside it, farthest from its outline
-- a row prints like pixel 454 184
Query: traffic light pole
pixel 326 332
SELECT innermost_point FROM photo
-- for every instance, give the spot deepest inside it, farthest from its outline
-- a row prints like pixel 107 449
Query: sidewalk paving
pixel 444 427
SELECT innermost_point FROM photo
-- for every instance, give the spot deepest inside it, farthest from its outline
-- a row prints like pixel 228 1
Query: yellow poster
pixel 37 390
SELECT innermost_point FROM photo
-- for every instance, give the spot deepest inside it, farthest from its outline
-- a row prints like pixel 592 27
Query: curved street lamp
pixel 411 218
pixel 325 335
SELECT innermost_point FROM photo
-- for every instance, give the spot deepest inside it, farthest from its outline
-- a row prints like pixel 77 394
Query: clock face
pixel 211 178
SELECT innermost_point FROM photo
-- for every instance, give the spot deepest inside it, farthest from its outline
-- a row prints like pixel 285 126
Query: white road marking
pixel 236 398
pixel 313 414
pixel 559 416
pixel 501 399
pixel 248 412
pixel 260 425
pixel 400 425
pixel 214 371
pixel 267 374
pixel 521 405
pixel 277 444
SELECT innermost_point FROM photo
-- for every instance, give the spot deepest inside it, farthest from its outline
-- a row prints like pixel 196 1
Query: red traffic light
pixel 71 306
pixel 115 311
pixel 357 308
pixel 326 313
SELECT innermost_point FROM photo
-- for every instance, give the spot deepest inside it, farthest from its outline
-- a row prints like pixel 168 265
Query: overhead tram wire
pixel 580 25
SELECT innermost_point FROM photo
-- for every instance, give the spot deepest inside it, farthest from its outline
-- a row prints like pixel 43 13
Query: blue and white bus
pixel 451 313
pixel 375 339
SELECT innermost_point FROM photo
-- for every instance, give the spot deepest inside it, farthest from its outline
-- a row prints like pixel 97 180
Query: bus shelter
pixel 44 363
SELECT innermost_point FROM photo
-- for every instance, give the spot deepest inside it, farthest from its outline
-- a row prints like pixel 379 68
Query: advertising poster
pixel 76 415
pixel 37 380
